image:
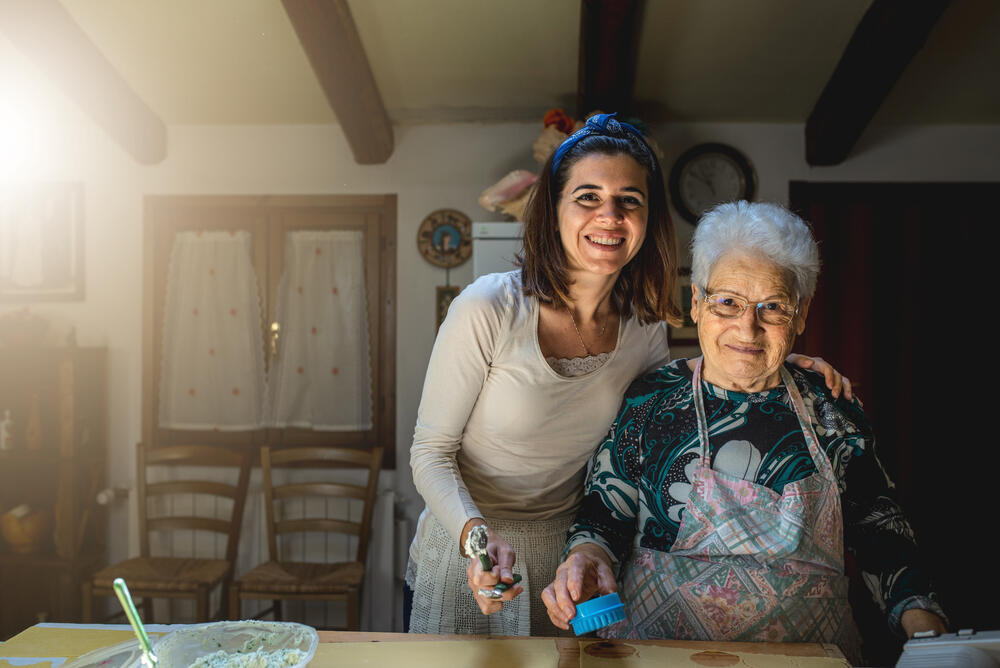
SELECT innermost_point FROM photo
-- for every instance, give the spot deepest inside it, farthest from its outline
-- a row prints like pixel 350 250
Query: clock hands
pixel 707 174
pixel 704 179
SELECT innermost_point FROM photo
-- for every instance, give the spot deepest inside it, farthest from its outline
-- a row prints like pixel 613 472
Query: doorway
pixel 903 308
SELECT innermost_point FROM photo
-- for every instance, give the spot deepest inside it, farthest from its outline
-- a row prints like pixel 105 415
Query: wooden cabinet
pixel 56 464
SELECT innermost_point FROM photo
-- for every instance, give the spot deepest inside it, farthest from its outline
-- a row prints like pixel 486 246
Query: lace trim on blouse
pixel 577 366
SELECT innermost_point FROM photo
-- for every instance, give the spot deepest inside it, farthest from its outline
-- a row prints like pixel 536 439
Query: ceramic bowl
pixel 26 535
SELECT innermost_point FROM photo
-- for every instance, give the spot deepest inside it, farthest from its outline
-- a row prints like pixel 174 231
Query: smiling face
pixel 602 213
pixel 743 353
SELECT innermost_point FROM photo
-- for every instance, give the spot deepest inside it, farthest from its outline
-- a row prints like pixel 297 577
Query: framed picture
pixel 41 242
pixel 445 293
pixel 687 333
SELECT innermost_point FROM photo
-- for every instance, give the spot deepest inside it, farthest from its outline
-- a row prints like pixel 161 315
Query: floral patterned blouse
pixel 640 476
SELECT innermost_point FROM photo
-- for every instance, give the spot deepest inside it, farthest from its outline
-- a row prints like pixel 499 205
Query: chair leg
pixel 87 604
pixel 147 609
pixel 278 617
pixel 352 611
pixel 235 611
pixel 201 605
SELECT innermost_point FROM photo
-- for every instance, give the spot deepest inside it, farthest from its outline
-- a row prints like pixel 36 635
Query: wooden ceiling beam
pixel 609 41
pixel 885 41
pixel 49 36
pixel 330 39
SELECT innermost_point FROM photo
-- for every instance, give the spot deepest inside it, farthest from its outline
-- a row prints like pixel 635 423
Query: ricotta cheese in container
pixel 242 644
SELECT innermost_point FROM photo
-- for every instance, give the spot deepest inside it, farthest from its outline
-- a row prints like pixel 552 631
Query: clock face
pixel 707 175
pixel 711 179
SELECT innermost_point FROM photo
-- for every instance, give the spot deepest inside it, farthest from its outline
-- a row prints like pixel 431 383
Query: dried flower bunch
pixel 510 194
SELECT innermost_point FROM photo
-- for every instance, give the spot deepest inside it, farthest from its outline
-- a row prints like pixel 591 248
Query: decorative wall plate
pixel 444 238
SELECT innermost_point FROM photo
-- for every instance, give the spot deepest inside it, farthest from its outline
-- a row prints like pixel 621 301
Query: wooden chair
pixel 279 579
pixel 151 577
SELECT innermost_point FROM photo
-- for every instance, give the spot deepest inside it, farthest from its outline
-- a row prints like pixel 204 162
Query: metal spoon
pixel 121 591
pixel 475 544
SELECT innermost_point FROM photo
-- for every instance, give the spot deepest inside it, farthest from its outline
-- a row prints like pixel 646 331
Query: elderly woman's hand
pixel 502 555
pixel 834 379
pixel 586 571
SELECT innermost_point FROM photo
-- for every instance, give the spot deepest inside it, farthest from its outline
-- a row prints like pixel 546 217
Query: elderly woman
pixel 728 484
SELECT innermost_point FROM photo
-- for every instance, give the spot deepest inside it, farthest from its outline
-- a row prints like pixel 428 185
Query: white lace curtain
pixel 321 378
pixel 213 371
pixel 213 356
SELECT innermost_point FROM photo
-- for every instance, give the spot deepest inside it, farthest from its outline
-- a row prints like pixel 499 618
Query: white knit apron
pixel 442 600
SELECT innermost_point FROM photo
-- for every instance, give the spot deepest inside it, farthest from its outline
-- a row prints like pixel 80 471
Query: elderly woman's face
pixel 744 353
pixel 602 213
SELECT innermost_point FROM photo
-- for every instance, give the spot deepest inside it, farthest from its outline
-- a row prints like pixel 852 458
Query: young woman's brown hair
pixel 645 286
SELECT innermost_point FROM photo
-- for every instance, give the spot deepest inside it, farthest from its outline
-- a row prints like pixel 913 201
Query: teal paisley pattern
pixel 640 476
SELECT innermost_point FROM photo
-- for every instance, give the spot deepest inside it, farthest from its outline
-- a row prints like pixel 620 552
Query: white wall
pixel 884 153
pixel 432 167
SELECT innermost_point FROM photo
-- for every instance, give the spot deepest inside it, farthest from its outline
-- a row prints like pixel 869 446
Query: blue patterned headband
pixel 599 124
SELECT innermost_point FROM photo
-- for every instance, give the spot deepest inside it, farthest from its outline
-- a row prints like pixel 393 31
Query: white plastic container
pixel 123 654
pixel 494 246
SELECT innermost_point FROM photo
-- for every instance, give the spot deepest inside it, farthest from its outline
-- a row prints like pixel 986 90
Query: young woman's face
pixel 602 211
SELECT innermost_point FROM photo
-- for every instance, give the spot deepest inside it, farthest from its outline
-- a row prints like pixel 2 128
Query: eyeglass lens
pixel 770 312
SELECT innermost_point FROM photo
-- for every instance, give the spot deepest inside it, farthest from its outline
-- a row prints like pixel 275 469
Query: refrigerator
pixel 494 246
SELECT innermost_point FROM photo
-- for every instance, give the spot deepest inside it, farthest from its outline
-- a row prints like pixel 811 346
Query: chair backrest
pixel 324 458
pixel 184 482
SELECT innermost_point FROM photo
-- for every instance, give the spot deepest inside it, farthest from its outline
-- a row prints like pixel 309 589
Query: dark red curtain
pixel 904 307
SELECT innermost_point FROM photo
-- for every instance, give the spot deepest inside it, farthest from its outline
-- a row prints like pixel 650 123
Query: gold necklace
pixel 580 336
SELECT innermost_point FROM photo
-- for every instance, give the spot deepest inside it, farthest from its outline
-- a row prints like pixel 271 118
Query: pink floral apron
pixel 748 564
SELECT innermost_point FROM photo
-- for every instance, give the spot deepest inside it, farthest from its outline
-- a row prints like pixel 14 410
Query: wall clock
pixel 444 238
pixel 709 174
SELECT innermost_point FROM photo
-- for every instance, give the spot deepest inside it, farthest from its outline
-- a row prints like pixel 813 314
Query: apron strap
pixel 820 460
pixel 699 409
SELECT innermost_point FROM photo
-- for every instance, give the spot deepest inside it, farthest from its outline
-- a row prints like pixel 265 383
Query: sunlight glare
pixel 19 138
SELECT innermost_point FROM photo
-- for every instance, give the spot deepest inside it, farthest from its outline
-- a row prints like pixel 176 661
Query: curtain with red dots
pixel 321 377
pixel 213 373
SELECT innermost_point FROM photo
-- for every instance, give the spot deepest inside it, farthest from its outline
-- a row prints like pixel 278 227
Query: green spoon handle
pixel 503 586
pixel 121 591
pixel 485 561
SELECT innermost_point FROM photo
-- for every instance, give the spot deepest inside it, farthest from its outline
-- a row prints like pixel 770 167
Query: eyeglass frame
pixel 746 304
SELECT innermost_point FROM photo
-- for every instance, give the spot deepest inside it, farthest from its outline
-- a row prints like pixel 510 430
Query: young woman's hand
pixel 836 381
pixel 482 582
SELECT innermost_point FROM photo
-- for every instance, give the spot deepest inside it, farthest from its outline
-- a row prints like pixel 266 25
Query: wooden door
pixel 367 215
pixel 903 306
pixel 166 217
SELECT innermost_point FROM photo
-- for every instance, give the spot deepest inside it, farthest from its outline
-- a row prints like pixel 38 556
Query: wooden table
pixel 54 643
pixel 569 648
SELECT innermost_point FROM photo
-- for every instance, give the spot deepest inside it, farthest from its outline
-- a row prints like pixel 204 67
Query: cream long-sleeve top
pixel 499 433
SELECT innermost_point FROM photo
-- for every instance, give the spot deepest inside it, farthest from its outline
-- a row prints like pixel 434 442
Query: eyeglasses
pixel 768 312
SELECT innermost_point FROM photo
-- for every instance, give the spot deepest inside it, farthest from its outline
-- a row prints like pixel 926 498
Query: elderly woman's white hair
pixel 769 230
